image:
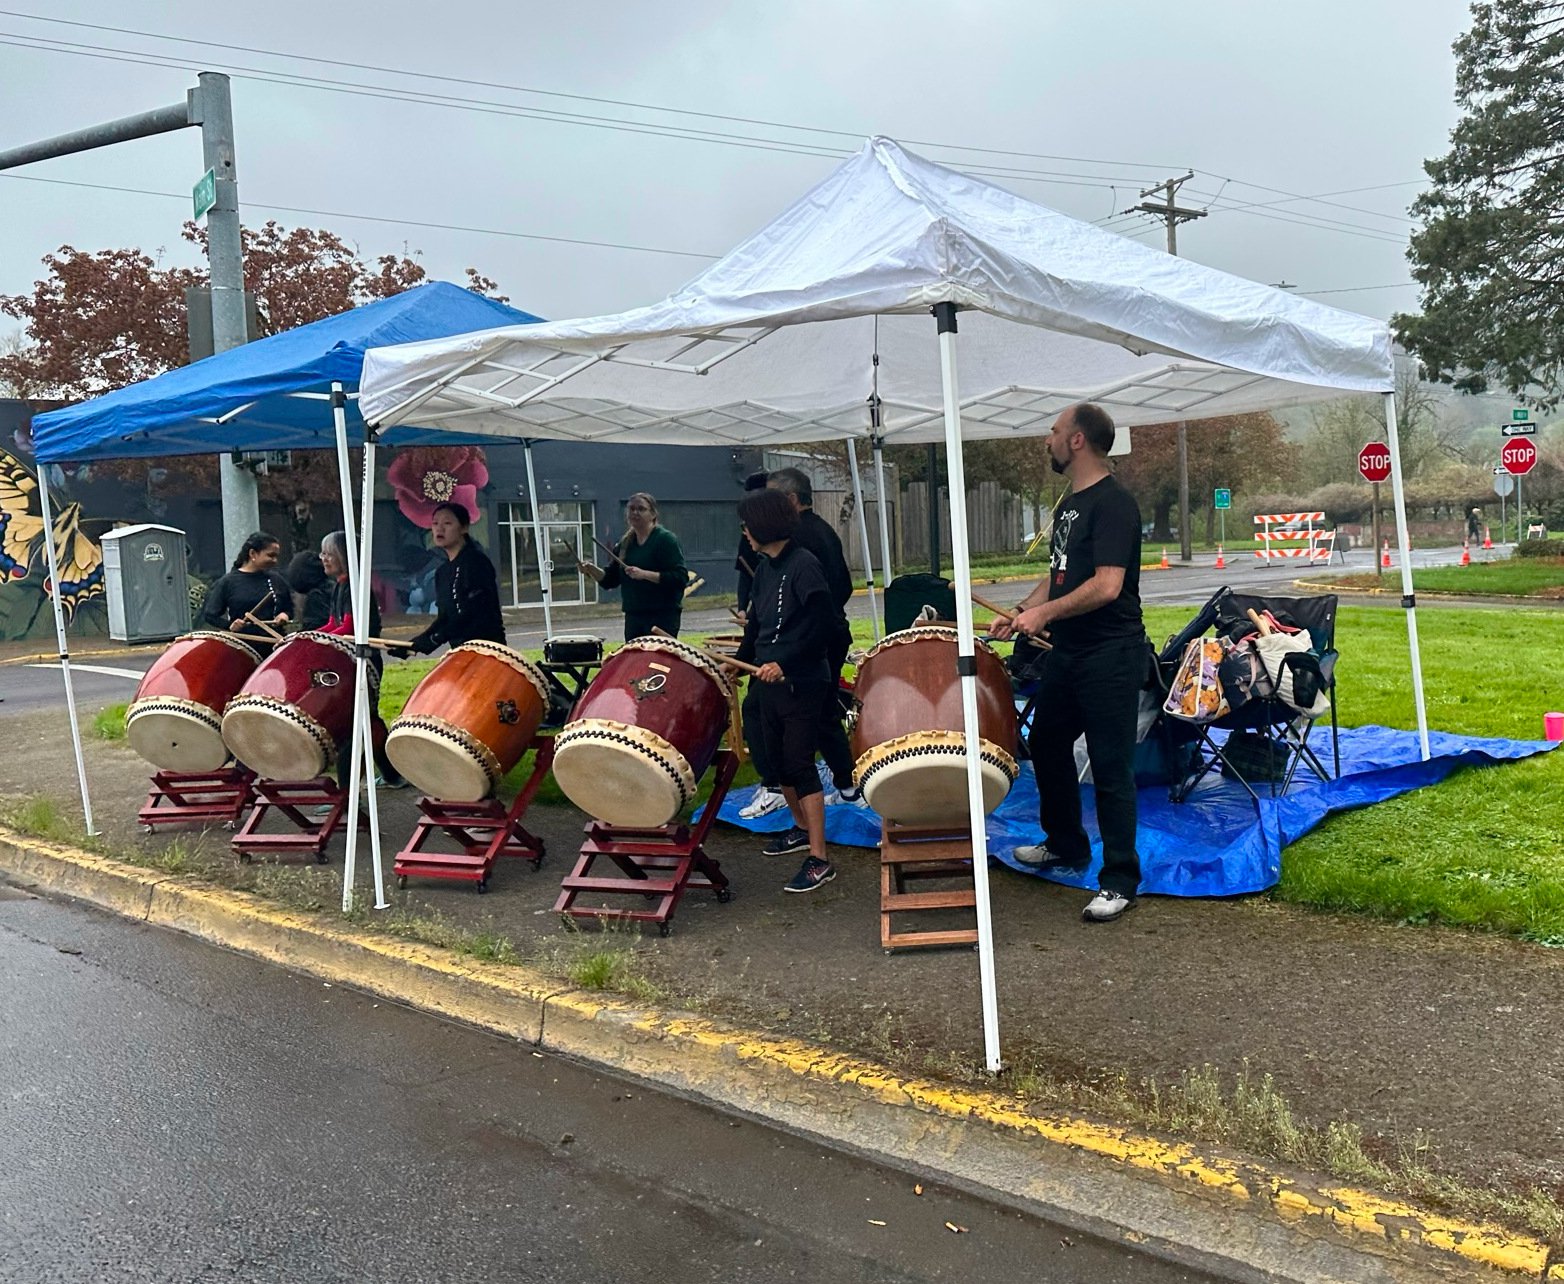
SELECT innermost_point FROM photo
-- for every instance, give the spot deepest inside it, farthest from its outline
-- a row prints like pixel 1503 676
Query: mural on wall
pixel 25 586
pixel 420 478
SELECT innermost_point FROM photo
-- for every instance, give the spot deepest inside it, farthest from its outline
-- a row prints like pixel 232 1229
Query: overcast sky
pixel 1095 100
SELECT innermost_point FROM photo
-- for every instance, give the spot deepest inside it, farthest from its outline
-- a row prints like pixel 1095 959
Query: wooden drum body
pixel 643 733
pixel 469 721
pixel 907 739
pixel 295 714
pixel 175 720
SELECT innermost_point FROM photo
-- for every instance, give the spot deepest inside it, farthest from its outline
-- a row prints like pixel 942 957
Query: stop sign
pixel 1374 461
pixel 1518 456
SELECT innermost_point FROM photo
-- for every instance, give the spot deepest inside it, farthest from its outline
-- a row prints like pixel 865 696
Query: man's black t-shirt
pixel 1098 526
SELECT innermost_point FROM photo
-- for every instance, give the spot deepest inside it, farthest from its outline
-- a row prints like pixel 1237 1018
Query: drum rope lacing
pixel 949 744
pixel 174 704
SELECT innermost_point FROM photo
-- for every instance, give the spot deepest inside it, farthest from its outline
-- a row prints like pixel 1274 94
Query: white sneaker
pixel 763 803
pixel 1105 907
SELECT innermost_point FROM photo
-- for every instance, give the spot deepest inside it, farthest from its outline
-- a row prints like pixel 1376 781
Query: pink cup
pixel 1553 726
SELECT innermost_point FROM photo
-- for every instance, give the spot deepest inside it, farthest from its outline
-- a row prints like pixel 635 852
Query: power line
pixel 371 218
pixel 1359 289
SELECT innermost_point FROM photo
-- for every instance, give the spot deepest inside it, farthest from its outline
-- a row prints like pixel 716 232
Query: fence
pixel 995 522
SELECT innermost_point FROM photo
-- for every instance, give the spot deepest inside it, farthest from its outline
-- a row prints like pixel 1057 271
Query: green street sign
pixel 1520 415
pixel 205 192
pixel 1224 499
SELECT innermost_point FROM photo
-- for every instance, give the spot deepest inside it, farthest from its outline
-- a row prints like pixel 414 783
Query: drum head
pixel 621 775
pixel 922 779
pixel 275 740
pixel 437 764
pixel 175 738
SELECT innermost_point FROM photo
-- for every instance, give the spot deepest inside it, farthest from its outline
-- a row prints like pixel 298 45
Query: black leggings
pixel 639 624
pixel 790 730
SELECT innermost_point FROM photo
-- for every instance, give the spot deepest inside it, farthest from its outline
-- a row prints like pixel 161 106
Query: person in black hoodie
pixel 787 634
pixel 466 589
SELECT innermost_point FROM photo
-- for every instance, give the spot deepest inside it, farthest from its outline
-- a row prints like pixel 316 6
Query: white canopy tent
pixel 817 328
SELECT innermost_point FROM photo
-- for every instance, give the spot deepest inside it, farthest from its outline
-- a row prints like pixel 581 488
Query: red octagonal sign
pixel 1518 456
pixel 1374 461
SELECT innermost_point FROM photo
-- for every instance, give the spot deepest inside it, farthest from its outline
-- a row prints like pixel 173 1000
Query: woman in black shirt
pixel 252 587
pixel 466 589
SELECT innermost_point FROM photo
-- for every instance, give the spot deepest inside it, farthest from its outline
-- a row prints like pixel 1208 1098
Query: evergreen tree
pixel 1490 254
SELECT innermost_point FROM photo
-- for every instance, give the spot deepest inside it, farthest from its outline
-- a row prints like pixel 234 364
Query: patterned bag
pixel 1196 693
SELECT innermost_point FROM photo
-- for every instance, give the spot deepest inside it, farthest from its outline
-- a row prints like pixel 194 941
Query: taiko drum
pixel 469 721
pixel 907 738
pixel 643 733
pixel 295 714
pixel 175 720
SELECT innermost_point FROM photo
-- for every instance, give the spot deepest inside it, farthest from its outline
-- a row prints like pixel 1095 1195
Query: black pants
pixel 1095 693
pixel 833 735
pixel 639 624
pixel 789 726
pixel 749 711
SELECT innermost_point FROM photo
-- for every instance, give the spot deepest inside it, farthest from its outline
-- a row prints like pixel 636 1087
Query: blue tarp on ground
pixel 174 413
pixel 1216 843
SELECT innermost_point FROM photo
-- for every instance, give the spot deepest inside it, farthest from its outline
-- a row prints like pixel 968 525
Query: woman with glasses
pixel 648 570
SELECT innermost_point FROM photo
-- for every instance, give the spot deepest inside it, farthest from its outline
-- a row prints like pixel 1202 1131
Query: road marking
pixel 96 668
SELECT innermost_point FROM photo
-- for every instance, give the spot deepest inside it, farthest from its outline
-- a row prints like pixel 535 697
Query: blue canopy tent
pixel 292 391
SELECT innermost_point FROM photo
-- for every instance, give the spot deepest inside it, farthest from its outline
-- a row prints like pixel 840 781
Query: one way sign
pixel 1517 430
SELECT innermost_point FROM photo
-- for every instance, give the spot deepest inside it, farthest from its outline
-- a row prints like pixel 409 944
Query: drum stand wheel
pixel 289 798
pixel 658 864
pixel 484 831
pixel 197 797
pixel 924 854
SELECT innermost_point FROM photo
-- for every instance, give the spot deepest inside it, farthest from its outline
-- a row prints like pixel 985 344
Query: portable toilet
pixel 144 577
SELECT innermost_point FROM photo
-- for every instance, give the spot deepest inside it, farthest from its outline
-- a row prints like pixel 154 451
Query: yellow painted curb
pixel 525 1005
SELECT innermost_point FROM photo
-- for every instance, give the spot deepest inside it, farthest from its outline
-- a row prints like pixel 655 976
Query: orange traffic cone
pixel 1384 557
pixel 1487 538
pixel 1163 565
pixel 1466 554
pixel 1221 565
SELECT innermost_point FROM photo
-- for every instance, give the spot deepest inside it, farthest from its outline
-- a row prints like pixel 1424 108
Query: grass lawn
pixel 1483 849
pixel 1513 577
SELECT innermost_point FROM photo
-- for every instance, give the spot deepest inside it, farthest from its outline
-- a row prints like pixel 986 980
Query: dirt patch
pixel 1424 1037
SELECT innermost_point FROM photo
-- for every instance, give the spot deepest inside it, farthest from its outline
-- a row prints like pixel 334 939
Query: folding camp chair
pixel 1268 739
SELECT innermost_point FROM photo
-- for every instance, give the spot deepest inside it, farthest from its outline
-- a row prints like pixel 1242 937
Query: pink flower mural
pixel 423 476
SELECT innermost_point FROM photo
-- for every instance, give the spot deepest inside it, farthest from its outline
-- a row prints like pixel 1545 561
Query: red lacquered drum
pixel 907 739
pixel 469 721
pixel 643 733
pixel 295 713
pixel 175 720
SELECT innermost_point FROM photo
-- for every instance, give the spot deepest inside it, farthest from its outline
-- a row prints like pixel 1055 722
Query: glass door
pixel 567 532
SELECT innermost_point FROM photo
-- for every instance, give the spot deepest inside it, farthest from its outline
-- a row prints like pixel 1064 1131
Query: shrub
pixel 1539 548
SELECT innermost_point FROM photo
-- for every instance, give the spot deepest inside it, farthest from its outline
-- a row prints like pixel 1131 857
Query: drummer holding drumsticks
pixel 787 634
pixel 1092 679
pixel 253 596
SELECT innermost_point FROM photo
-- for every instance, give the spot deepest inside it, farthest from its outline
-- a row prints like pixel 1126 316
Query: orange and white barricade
pixel 1293 535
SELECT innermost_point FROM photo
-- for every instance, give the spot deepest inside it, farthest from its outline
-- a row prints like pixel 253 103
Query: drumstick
pixel 263 626
pixel 710 655
pixel 623 564
pixel 1260 622
pixel 389 642
pixel 1003 614
pixel 746 567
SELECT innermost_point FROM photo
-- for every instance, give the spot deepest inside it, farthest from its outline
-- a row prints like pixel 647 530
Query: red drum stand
pixel 197 797
pixel 484 831
pixel 658 864
pixel 290 797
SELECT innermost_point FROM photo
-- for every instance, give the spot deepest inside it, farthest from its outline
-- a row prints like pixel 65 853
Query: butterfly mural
pixel 21 539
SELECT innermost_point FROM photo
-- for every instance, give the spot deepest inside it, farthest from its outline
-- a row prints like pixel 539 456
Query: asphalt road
pixel 172 1112
pixel 108 679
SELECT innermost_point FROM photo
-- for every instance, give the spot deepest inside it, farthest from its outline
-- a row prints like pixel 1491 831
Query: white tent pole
pixel 966 666
pixel 545 566
pixel 363 586
pixel 355 757
pixel 52 560
pixel 863 533
pixel 1408 598
pixel 883 505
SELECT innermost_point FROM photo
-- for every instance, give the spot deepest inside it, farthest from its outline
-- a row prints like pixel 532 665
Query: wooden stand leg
pixel 658 864
pixel 484 831
pixel 289 798
pixel 911 854
pixel 197 797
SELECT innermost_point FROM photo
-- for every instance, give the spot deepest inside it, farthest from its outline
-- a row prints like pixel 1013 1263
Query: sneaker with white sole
pixel 1037 856
pixel 1105 907
pixel 763 803
pixel 812 874
pixel 786 843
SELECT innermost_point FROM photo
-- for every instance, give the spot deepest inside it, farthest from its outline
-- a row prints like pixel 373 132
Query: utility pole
pixel 209 107
pixel 1171 213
